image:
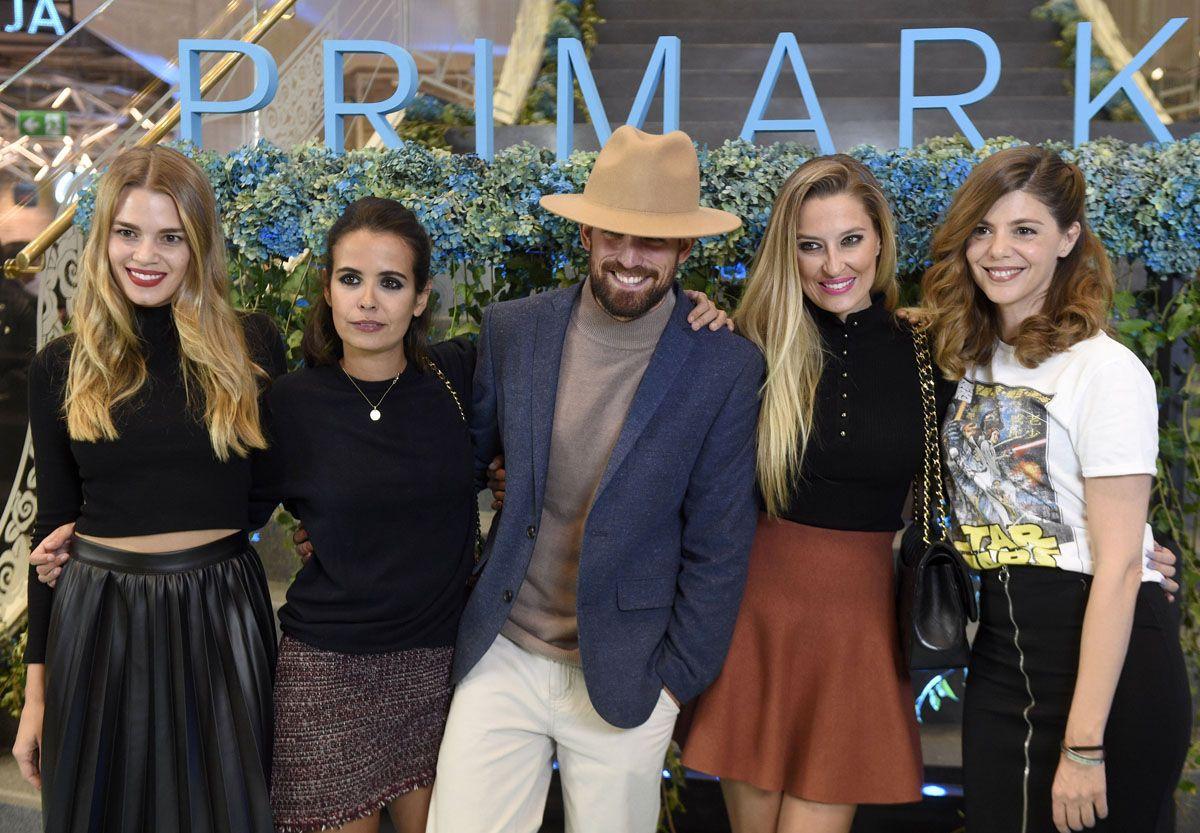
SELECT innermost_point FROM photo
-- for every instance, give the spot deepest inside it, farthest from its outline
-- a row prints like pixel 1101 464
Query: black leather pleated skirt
pixel 158 692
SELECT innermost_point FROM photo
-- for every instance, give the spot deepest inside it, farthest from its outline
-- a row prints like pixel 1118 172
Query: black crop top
pixel 866 443
pixel 161 473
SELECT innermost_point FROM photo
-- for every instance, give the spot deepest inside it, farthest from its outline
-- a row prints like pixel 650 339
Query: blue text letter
pixel 786 44
pixel 485 133
pixel 192 106
pixel 1087 107
pixel 572 66
pixel 952 103
pixel 45 15
pixel 337 108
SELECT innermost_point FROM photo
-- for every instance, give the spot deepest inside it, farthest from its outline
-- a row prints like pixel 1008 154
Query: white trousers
pixel 511 716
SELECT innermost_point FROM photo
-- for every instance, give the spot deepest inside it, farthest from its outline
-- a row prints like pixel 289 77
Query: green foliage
pixel 430 134
pixel 12 671
pixel 572 19
pixel 1068 17
pixel 672 790
pixel 1152 322
pixel 936 692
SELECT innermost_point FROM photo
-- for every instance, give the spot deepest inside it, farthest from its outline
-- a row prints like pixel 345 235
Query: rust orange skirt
pixel 810 701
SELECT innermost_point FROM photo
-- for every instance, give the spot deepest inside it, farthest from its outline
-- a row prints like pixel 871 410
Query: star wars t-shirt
pixel 1018 441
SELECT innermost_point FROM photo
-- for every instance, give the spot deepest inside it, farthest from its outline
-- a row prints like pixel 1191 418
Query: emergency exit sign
pixel 41 123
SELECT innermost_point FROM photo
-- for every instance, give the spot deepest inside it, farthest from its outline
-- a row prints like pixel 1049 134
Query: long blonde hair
pixel 964 323
pixel 772 315
pixel 107 367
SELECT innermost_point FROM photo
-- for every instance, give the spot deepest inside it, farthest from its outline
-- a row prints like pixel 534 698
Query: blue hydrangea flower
pixel 1143 200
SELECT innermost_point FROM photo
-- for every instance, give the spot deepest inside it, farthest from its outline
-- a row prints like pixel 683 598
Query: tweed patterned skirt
pixel 353 732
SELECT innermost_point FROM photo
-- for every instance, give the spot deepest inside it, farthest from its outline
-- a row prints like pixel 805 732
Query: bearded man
pixel 614 571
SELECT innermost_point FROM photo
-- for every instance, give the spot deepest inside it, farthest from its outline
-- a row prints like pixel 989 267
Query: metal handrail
pixel 24 262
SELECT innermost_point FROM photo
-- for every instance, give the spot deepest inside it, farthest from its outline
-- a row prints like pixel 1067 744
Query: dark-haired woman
pixel 370 448
pixel 1077 711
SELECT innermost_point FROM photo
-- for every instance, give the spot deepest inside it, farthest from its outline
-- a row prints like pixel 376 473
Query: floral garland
pixel 1143 200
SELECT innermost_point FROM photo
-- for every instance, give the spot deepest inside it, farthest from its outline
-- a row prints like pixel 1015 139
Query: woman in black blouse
pixel 147 703
pixel 810 716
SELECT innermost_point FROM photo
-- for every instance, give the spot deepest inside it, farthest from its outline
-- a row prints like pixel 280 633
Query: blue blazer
pixel 665 545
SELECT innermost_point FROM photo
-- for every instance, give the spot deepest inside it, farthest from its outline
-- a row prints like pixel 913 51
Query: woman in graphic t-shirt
pixel 1050 444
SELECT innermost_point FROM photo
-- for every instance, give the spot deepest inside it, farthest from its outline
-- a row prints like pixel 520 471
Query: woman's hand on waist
pixel 51 553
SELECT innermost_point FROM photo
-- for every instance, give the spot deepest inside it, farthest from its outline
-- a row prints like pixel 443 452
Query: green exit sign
pixel 41 123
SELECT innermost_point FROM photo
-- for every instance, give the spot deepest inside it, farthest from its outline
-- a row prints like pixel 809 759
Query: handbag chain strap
pixel 462 413
pixel 929 499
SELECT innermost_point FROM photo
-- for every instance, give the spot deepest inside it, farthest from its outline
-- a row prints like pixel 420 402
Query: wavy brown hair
pixel 964 323
pixel 107 367
pixel 772 314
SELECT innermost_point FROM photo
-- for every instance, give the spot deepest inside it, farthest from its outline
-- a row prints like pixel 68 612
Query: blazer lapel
pixel 550 330
pixel 665 363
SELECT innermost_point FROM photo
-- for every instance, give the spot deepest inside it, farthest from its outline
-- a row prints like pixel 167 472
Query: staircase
pixel 852 52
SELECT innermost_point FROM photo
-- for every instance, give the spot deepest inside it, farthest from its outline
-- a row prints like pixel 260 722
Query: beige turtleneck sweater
pixel 602 364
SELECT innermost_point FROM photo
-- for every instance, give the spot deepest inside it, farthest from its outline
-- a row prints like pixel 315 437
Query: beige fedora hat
pixel 645 185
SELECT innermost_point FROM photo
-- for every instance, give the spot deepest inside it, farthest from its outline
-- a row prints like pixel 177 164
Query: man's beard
pixel 626 305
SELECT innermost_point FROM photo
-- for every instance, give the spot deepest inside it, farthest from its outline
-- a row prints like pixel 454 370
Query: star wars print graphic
pixel 995 453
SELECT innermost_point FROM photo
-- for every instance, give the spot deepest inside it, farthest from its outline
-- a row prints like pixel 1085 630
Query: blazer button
pixel 507 596
pixel 531 532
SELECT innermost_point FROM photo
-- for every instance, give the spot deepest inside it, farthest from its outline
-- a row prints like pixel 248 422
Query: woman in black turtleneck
pixel 148 697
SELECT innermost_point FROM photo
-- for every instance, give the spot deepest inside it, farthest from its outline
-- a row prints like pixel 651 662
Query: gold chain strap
pixel 462 413
pixel 449 387
pixel 925 509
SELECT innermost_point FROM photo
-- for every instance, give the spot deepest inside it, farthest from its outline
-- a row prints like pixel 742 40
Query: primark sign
pixel 662 72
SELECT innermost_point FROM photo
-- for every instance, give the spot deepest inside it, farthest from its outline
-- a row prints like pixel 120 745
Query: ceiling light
pixel 97 136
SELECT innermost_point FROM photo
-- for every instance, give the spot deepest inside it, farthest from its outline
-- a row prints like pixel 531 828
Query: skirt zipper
pixel 1004 578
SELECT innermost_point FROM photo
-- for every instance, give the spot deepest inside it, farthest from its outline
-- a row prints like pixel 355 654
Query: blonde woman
pixel 148 701
pixel 810 716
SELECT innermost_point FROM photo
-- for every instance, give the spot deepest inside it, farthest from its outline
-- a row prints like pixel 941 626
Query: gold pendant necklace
pixel 375 414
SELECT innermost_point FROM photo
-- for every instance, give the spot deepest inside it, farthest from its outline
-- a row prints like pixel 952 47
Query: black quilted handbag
pixel 936 597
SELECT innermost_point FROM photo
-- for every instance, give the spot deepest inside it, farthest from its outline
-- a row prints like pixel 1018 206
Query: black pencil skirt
pixel 158 692
pixel 1149 726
